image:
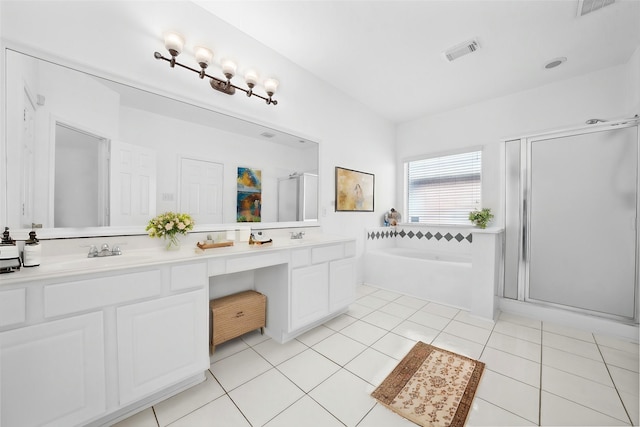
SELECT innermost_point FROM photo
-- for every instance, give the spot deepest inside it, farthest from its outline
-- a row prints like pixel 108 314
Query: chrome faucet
pixel 104 251
pixel 297 235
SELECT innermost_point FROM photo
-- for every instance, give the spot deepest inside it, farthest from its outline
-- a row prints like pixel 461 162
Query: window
pixel 443 190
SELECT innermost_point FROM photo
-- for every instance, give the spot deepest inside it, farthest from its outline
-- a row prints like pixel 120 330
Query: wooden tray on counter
pixel 214 245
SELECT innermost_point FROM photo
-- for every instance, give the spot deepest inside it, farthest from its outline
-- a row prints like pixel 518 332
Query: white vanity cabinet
pixel 322 283
pixel 53 373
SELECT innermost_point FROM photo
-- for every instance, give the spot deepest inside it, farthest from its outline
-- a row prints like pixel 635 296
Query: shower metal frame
pixel 524 193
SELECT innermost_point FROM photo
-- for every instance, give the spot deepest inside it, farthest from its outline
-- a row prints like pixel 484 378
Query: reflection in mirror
pixel 83 151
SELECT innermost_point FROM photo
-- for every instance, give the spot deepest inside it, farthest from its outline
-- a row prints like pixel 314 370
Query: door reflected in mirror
pixel 83 151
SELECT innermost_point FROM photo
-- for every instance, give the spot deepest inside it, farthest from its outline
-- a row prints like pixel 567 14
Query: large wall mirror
pixel 91 155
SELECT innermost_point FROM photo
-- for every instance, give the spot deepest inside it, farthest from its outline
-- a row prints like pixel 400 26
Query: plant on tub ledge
pixel 168 225
pixel 481 218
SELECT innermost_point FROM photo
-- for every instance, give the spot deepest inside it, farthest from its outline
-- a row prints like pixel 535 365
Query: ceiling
pixel 388 55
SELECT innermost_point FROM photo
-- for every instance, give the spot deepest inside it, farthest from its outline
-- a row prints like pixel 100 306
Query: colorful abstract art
pixel 249 203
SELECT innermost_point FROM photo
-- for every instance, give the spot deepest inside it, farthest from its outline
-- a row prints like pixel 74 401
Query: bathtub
pixel 438 277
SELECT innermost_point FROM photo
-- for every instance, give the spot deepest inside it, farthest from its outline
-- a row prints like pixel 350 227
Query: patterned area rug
pixel 431 386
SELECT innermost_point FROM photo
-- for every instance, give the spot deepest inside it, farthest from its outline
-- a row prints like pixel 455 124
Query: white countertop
pixel 77 264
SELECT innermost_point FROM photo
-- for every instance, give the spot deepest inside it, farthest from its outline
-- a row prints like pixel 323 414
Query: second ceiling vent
pixel 461 49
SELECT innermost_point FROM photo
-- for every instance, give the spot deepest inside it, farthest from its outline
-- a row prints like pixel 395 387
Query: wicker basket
pixel 235 315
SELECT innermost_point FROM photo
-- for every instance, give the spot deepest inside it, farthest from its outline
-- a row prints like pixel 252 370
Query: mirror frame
pixel 60 233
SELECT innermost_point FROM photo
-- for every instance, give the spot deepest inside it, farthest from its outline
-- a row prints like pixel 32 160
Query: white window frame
pixel 405 164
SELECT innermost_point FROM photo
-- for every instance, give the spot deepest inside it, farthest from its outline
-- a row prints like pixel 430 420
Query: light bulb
pixel 270 86
pixel 203 56
pixel 174 43
pixel 251 78
pixel 228 68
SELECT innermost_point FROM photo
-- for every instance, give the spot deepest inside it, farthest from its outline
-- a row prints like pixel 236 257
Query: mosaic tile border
pixel 392 234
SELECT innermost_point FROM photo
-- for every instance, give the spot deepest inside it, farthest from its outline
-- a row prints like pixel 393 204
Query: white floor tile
pixel 468 332
pixel 515 367
pixel 276 353
pixel 346 396
pixel 466 317
pixel 583 391
pixel 509 394
pixel 380 416
pixel 358 311
pixel 431 320
pixel 339 348
pixel 228 348
pixel 632 405
pixel 144 418
pixel 220 412
pixel 386 295
pixel 617 343
pixel 362 290
pixel 577 365
pixel 372 302
pixel 571 345
pixel 521 320
pixel 188 401
pixel 340 322
pixel 416 332
pixel 363 332
pixel 308 369
pixel 372 366
pixel 382 320
pixel 483 413
pixel 266 396
pixel 315 335
pixel 557 411
pixel 239 368
pixel 625 380
pixel 307 412
pixel 523 348
pixel 440 310
pixel 619 358
pixel 567 331
pixel 458 345
pixel 518 331
pixel 394 345
pixel 398 310
pixel 254 337
pixel 411 302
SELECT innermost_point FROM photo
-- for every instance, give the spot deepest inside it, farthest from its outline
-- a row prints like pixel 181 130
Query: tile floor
pixel 536 373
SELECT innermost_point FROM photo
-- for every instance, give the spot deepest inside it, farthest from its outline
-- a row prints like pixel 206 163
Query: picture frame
pixel 355 190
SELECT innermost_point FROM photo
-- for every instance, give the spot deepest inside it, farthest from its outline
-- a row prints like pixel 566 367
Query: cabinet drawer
pixel 65 298
pixel 12 307
pixel 327 253
pixel 256 261
pixel 189 276
pixel 300 258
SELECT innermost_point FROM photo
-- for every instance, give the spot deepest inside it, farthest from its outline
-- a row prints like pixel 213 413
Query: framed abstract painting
pixel 354 190
pixel 249 195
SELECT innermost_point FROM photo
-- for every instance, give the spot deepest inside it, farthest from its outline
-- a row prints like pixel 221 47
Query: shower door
pixel 578 206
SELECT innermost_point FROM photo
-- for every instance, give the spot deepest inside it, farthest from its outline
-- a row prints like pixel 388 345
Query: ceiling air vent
pixel 267 134
pixel 587 6
pixel 461 50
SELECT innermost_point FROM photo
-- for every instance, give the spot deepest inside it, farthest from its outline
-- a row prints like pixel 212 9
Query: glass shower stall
pixel 571 220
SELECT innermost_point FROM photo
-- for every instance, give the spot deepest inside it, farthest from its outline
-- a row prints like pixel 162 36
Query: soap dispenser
pixel 32 251
pixel 9 255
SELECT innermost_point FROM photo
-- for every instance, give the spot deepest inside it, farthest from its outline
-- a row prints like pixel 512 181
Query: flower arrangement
pixel 481 217
pixel 168 225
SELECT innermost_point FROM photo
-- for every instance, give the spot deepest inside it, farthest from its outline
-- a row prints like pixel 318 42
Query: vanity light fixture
pixel 174 43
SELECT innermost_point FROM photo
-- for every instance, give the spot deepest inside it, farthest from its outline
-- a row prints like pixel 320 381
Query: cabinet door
pixel 309 294
pixel 342 283
pixel 161 342
pixel 52 374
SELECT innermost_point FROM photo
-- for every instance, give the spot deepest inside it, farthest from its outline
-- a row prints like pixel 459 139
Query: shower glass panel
pixel 582 203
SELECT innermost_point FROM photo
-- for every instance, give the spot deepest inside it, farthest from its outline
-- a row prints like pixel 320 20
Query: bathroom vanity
pixel 89 341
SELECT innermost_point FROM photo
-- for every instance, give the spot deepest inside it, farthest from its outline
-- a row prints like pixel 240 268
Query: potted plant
pixel 481 218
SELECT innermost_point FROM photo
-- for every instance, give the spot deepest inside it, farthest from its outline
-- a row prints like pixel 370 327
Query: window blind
pixel 443 190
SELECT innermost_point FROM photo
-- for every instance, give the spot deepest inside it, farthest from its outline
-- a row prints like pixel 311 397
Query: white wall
pixel 608 94
pixel 117 39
